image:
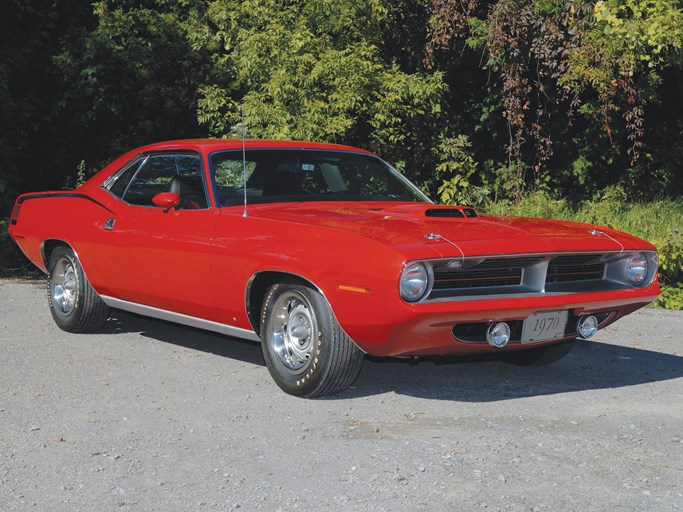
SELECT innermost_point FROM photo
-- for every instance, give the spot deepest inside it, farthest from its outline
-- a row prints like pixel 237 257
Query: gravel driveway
pixel 148 416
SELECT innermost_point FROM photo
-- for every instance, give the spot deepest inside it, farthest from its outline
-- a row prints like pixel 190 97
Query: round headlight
pixel 636 269
pixel 414 281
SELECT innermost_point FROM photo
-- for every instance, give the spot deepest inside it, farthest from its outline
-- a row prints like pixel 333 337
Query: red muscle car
pixel 323 253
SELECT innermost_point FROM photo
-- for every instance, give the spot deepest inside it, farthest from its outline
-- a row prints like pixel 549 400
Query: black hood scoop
pixel 453 213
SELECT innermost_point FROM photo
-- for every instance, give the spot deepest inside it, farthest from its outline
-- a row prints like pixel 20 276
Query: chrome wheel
pixel 74 304
pixel 293 328
pixel 64 287
pixel 306 351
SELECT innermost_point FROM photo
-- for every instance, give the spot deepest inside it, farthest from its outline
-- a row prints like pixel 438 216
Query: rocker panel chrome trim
pixel 178 318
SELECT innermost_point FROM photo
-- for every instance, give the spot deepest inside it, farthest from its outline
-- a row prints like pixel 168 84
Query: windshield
pixel 275 176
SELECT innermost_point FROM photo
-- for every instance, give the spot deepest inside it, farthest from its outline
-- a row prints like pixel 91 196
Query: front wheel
pixel 539 356
pixel 305 349
pixel 74 305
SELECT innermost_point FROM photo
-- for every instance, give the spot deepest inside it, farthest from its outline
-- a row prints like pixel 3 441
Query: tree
pixel 132 79
pixel 315 70
pixel 574 79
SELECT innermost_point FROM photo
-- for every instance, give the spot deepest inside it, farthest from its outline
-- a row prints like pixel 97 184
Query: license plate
pixel 544 326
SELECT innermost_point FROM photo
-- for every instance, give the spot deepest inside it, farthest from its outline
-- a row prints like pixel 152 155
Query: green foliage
pixel 624 45
pixel 456 168
pixel 78 178
pixel 671 297
pixel 637 32
pixel 80 173
pixel 670 247
pixel 135 73
pixel 568 69
pixel 537 204
pixel 12 262
pixel 313 70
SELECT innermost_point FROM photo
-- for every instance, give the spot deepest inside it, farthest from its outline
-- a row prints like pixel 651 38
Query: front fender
pixel 357 275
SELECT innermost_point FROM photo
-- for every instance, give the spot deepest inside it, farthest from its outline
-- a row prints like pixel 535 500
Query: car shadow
pixel 187 337
pixel 590 365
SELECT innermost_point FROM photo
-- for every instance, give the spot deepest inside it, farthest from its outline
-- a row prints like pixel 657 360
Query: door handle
pixel 109 224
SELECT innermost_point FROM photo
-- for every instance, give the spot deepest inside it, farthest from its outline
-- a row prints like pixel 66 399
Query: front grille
pixel 564 269
pixel 537 274
pixel 489 273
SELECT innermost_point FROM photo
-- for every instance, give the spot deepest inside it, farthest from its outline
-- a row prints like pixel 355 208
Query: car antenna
pixel 244 163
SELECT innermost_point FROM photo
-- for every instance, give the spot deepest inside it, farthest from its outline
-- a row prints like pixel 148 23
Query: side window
pixel 229 177
pixel 178 173
pixel 121 180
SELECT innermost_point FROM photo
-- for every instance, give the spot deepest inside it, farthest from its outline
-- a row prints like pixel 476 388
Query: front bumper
pixel 427 329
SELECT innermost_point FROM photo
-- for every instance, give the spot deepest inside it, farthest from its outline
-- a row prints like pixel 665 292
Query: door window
pixel 150 175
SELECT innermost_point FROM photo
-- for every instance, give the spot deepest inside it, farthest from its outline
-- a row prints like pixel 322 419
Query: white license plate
pixel 544 326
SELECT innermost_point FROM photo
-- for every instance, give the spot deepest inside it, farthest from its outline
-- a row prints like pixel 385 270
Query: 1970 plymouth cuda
pixel 323 253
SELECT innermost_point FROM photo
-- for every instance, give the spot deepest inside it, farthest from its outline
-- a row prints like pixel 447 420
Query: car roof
pixel 210 145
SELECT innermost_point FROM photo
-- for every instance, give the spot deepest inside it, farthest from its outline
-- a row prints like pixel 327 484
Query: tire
pixel 306 351
pixel 540 356
pixel 74 305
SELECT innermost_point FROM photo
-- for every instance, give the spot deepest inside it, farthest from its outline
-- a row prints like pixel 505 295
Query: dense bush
pixel 12 262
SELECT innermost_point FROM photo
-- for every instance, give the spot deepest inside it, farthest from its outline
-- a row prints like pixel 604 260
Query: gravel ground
pixel 148 416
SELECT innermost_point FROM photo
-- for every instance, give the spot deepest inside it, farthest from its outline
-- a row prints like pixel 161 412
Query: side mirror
pixel 166 200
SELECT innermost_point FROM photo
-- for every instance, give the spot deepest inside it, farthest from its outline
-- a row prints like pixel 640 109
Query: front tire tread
pixel 339 361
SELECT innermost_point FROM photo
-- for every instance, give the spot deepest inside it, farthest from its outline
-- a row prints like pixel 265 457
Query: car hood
pixel 408 229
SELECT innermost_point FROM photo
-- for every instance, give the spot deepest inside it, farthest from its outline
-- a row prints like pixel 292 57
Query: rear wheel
pixel 306 351
pixel 74 305
pixel 540 356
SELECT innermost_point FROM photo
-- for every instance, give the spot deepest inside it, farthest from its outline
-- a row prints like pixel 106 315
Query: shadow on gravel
pixel 589 366
pixel 187 337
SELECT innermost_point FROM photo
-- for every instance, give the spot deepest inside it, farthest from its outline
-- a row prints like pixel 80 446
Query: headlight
pixel 414 281
pixel 636 269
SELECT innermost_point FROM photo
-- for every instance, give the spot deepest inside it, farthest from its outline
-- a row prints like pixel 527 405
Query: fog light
pixel 587 326
pixel 498 334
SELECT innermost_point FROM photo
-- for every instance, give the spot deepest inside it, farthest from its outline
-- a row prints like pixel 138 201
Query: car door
pixel 160 256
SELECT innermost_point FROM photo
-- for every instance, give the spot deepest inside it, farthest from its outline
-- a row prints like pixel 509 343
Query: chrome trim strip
pixel 531 254
pixel 178 318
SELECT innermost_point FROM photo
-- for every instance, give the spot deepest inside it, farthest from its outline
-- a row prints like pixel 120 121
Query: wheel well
pixel 48 246
pixel 259 285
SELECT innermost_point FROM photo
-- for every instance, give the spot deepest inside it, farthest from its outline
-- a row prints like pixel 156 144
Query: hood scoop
pixel 453 213
pixel 420 211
